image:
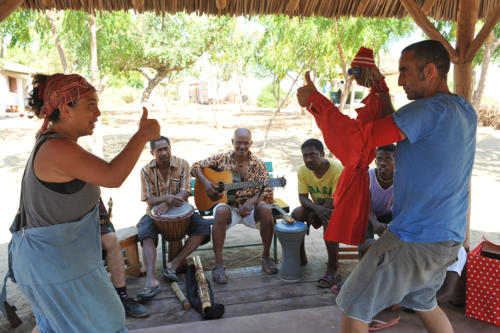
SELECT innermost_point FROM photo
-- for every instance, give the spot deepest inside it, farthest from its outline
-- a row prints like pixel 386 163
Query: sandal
pixel 376 325
pixel 336 288
pixel 170 275
pixel 219 274
pixel 148 292
pixel 328 280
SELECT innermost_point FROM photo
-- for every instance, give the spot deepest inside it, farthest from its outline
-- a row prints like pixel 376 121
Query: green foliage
pixel 235 47
pixel 267 96
pixel 351 34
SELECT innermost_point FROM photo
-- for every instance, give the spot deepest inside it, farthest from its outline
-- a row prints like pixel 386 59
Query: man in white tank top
pixel 381 194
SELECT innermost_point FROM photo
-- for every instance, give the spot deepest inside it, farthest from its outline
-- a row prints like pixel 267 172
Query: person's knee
pixel 299 214
pixel 222 216
pixel 264 213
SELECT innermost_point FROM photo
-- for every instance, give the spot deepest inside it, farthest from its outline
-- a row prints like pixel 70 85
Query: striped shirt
pixel 153 185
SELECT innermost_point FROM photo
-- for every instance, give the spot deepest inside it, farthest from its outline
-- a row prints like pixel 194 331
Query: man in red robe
pixel 350 141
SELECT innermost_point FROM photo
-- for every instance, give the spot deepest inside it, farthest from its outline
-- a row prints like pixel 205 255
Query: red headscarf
pixel 60 89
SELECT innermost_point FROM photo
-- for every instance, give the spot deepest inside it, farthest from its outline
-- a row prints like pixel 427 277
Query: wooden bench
pixel 207 216
pixel 128 239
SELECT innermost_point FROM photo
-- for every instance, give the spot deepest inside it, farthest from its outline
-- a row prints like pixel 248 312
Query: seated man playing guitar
pixel 250 206
pixel 166 183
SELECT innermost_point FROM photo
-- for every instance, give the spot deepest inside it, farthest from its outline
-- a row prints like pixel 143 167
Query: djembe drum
pixel 290 235
pixel 173 226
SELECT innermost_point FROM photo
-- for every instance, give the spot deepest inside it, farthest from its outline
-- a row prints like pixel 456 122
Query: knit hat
pixel 364 58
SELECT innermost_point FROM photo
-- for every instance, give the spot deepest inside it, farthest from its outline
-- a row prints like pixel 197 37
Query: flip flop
pixel 219 275
pixel 376 325
pixel 148 293
pixel 336 288
pixel 328 280
pixel 170 275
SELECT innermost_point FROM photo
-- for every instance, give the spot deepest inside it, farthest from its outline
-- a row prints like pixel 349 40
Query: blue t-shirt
pixel 433 169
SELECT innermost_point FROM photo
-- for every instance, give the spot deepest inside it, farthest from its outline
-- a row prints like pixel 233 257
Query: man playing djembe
pixel 165 184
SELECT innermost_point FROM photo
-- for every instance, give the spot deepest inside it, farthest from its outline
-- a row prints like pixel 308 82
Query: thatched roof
pixel 437 9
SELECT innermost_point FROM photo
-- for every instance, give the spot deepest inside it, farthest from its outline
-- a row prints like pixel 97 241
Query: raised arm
pixel 61 159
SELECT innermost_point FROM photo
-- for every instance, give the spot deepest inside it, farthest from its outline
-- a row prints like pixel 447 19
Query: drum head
pixel 174 213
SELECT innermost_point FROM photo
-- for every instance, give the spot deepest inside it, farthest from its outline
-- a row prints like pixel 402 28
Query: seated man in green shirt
pixel 317 180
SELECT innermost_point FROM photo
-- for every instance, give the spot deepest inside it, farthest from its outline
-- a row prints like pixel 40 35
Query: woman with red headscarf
pixel 55 252
pixel 350 140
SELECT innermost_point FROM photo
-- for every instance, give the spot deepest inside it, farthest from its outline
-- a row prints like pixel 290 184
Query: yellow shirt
pixel 319 187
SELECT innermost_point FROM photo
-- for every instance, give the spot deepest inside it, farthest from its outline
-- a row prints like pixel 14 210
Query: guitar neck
pixel 242 185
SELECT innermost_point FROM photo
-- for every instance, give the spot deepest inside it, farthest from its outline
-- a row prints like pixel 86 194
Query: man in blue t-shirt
pixel 436 136
pixel 434 162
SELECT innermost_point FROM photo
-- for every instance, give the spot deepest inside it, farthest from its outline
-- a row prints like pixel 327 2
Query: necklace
pixel 382 180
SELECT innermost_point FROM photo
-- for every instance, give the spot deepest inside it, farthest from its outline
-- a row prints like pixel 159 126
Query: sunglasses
pixel 353 71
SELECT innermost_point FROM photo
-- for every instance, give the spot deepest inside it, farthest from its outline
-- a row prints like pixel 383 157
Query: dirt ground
pixel 194 135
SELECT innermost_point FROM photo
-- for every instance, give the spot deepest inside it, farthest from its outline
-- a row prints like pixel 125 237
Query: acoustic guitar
pixel 226 181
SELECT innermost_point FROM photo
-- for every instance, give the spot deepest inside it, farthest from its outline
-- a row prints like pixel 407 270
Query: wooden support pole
pixel 489 24
pixel 466 22
pixel 7 7
pixel 430 30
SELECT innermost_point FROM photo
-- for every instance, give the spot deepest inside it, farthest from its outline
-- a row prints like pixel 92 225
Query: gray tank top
pixel 45 207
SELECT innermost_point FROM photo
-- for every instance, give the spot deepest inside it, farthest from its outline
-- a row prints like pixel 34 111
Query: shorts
pixel 391 272
pixel 248 220
pixel 198 226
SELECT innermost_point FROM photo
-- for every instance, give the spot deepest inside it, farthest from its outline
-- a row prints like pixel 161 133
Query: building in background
pixel 14 81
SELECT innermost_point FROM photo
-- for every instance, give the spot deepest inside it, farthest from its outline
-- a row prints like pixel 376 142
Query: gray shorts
pixel 396 272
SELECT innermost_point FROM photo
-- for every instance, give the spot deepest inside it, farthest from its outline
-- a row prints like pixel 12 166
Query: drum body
pixel 173 224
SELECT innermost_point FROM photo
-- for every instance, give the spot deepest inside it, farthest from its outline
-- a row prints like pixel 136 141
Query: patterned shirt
pixel 153 185
pixel 257 171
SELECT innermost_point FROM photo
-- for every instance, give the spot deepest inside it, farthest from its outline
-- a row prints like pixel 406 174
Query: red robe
pixel 351 141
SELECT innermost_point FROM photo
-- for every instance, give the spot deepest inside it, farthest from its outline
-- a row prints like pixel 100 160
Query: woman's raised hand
pixel 149 129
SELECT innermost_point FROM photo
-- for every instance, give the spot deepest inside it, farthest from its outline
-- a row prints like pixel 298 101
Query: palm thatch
pixel 438 9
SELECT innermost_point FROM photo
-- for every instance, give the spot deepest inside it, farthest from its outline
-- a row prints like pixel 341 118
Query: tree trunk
pixel 489 47
pixel 1 46
pixel 94 68
pixel 347 84
pixel 152 83
pixel 51 14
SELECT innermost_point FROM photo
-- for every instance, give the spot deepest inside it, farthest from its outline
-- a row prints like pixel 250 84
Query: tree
pixel 340 41
pixel 490 51
pixel 286 49
pixel 157 47
pixel 233 54
pixel 52 16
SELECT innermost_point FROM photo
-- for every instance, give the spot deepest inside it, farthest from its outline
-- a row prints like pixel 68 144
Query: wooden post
pixel 466 22
pixel 7 7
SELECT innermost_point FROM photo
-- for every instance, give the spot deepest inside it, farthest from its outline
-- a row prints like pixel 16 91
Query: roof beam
pixel 7 7
pixel 488 26
pixel 430 30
